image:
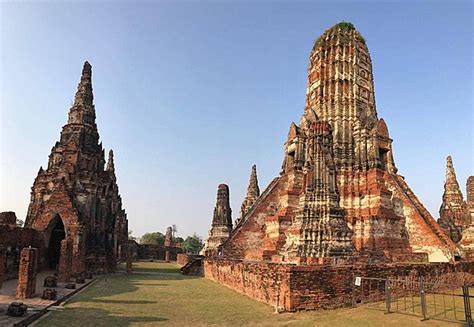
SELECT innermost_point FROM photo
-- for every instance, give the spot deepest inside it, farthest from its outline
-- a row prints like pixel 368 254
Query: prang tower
pixel 221 221
pixel 338 193
pixel 453 214
pixel 77 198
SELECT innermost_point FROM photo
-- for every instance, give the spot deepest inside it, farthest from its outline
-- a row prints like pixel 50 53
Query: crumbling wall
pixel 13 240
pixel 299 287
pixel 265 282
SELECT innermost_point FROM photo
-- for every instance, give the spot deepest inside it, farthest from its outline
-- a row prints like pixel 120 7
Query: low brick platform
pixel 292 287
pixel 34 304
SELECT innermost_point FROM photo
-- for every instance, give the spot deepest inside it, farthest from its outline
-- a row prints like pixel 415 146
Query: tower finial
pixel 84 96
pixel 450 173
pixel 110 162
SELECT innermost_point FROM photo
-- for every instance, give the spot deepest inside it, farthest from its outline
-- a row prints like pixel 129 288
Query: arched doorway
pixel 54 247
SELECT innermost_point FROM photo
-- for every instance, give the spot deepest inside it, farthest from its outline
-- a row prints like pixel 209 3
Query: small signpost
pixel 358 281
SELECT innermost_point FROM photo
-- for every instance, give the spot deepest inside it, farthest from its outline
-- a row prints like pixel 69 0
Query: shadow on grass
pixel 94 317
pixel 141 284
pixel 158 270
pixel 119 283
pixel 159 276
pixel 120 301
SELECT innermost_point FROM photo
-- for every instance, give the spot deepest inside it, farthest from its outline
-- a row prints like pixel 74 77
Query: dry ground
pixel 156 294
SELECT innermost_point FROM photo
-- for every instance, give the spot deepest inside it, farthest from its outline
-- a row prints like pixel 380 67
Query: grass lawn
pixel 156 294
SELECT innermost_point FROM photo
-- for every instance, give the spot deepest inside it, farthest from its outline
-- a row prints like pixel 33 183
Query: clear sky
pixel 191 94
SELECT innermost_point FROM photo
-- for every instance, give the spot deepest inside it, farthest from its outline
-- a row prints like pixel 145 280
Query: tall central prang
pixel 338 194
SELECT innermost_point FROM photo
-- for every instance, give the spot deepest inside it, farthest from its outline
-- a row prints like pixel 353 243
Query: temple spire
pixel 453 214
pixel 222 212
pixel 82 110
pixel 84 94
pixel 451 185
pixel 253 192
pixel 221 222
pixel 110 162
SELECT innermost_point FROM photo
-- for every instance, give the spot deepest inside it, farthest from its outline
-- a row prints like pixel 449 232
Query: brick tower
pixel 221 221
pixel 253 192
pixel 453 213
pixel 338 193
pixel 76 198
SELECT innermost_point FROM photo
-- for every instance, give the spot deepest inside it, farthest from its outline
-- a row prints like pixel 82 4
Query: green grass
pixel 168 298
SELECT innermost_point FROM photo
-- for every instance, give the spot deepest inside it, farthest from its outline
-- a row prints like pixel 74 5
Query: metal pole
pixel 423 299
pixel 467 305
pixel 387 295
pixel 353 292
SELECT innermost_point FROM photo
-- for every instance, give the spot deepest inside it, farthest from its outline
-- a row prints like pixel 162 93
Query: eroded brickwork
pixel 77 197
pixel 65 262
pixel 339 191
pixel 253 192
pixel 308 287
pixel 470 197
pixel 467 241
pixel 26 287
pixel 221 221
pixel 8 218
pixel 168 243
pixel 453 214
pixel 13 239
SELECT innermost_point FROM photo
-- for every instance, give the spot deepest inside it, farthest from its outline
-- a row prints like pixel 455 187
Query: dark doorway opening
pixel 54 249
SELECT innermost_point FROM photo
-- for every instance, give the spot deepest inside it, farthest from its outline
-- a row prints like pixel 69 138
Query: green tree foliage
pixel 192 244
pixel 155 238
pixel 178 239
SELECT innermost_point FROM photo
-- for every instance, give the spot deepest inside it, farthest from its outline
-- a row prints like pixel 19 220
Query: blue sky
pixel 191 94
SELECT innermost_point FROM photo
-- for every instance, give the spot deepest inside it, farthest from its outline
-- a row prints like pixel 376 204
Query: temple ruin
pixel 453 214
pixel 221 221
pixel 466 244
pixel 339 206
pixel 253 192
pixel 75 223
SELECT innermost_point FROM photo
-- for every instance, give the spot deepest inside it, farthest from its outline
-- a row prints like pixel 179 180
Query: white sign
pixel 358 281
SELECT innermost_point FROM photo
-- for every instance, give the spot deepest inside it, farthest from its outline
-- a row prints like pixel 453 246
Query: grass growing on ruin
pixel 156 294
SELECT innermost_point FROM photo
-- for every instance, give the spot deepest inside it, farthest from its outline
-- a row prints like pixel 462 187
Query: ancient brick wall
pixel 293 287
pixel 261 281
pixel 157 252
pixel 150 251
pixel 2 264
pixel 8 218
pixel 13 240
pixel 182 258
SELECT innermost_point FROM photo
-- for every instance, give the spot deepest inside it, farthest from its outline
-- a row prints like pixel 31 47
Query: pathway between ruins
pixel 157 294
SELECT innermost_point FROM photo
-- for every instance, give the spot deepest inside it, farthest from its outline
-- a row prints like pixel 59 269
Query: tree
pixel 130 236
pixel 192 244
pixel 178 239
pixel 155 238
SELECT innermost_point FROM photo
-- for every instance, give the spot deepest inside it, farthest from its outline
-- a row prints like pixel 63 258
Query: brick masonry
pixel 65 262
pixel 339 193
pixel 26 287
pixel 297 287
pixel 78 192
